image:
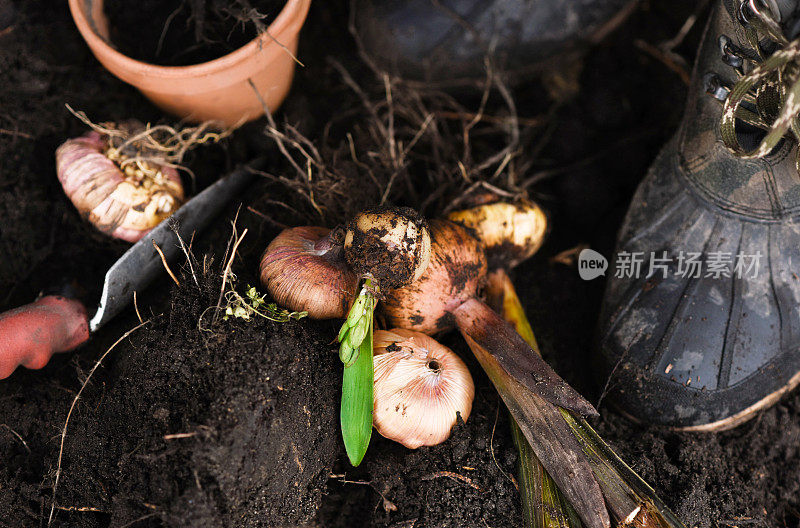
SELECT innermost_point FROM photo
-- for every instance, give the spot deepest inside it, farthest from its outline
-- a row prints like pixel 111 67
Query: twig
pixel 558 171
pixel 174 228
pixel 568 256
pixel 15 133
pixel 619 362
pixel 279 225
pixel 387 504
pixel 164 262
pixel 72 408
pixel 136 306
pixel 166 27
pixel 524 121
pixel 688 24
pixel 403 127
pixel 455 204
pixel 81 509
pixel 365 100
pixel 460 20
pixel 392 140
pixel 478 115
pixel 614 22
pixel 277 137
pixel 178 436
pixel 665 58
pixel 453 476
pixel 227 270
pixel 255 18
pixel 405 152
pixel 513 142
pixel 142 518
pixel 19 437
pixel 491 447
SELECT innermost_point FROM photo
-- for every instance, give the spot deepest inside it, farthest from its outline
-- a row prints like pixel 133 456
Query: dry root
pixel 146 147
pixel 405 143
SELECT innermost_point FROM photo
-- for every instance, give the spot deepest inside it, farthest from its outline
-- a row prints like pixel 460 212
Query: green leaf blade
pixel 357 401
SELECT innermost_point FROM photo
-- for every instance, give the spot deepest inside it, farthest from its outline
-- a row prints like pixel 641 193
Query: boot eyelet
pixel 750 8
pixel 731 54
pixel 715 87
pixel 743 14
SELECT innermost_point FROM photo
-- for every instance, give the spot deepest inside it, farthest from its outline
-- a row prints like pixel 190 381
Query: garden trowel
pixel 31 334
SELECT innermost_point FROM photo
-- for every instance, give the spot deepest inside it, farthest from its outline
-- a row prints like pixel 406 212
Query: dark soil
pixel 184 32
pixel 234 424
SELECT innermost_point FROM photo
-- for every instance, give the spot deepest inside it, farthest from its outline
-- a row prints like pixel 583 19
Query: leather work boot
pixel 449 39
pixel 700 326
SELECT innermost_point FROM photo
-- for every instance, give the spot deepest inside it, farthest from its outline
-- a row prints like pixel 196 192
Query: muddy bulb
pixel 510 232
pixel 392 244
pixel 122 202
pixel 456 270
pixel 303 269
pixel 420 386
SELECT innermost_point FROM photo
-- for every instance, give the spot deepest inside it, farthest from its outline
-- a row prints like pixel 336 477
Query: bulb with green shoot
pixel 386 247
pixel 340 273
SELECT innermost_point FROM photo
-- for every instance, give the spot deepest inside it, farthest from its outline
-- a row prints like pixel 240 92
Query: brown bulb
pixel 421 387
pixel 456 270
pixel 390 244
pixel 304 270
pixel 510 232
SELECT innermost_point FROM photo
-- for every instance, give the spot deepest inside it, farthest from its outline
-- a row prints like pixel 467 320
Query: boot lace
pixel 767 93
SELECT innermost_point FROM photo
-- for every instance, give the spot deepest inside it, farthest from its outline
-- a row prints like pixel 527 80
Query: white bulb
pixel 420 387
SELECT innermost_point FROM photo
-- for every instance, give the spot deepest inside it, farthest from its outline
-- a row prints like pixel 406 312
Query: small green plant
pixel 255 304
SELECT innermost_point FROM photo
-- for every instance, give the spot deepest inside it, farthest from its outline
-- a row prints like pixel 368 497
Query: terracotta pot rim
pixel 291 15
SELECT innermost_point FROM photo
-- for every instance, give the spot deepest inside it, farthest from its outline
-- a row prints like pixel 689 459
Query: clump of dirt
pixel 389 243
pixel 185 32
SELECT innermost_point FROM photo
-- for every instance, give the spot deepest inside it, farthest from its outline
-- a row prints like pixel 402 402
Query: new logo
pixel 591 264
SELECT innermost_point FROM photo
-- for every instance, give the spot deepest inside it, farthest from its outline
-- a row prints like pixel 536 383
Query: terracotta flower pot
pixel 214 90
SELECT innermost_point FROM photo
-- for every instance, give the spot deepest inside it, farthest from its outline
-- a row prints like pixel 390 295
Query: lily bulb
pixel 120 196
pixel 456 270
pixel 510 232
pixel 391 244
pixel 421 387
pixel 304 270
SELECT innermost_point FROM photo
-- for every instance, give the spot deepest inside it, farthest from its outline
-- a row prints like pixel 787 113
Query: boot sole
pixel 734 420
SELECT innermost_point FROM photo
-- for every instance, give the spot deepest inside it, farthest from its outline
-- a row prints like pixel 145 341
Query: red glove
pixel 30 334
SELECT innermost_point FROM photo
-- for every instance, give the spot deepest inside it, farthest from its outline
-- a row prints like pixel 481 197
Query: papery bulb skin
pixel 390 244
pixel 456 270
pixel 304 269
pixel 421 387
pixel 510 232
pixel 122 202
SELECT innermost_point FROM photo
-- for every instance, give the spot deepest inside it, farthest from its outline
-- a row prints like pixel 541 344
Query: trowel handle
pixel 30 334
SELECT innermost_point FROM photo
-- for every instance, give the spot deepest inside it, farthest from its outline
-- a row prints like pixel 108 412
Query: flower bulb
pixel 421 387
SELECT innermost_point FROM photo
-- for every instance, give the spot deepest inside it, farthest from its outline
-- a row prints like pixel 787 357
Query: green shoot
pixel 355 351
